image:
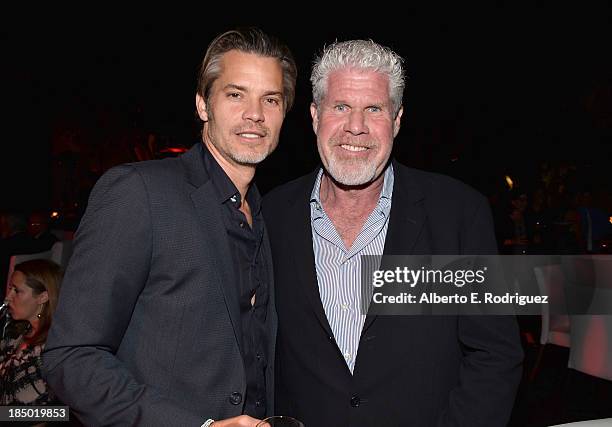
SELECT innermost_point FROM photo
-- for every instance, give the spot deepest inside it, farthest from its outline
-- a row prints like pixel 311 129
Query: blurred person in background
pixel 38 229
pixel 594 226
pixel 512 232
pixel 32 298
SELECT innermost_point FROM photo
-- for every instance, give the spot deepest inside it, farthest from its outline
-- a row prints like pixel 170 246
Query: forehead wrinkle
pixel 249 72
pixel 358 87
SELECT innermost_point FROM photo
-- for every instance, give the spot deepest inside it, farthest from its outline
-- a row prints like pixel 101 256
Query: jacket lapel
pixel 304 260
pixel 406 219
pixel 407 214
pixel 208 211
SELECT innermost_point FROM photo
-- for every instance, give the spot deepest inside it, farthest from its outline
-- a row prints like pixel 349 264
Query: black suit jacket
pixel 410 370
pixel 147 331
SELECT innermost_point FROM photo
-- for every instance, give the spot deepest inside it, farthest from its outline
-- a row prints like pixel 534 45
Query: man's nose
pixel 253 111
pixel 356 123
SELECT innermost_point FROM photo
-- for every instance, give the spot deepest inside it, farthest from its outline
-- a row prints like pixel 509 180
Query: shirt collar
pixel 226 190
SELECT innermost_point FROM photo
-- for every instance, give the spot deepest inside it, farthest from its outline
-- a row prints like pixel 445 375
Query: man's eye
pixel 272 101
pixel 374 109
pixel 341 107
pixel 234 95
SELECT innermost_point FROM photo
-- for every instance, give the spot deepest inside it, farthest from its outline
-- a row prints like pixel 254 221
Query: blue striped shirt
pixel 339 269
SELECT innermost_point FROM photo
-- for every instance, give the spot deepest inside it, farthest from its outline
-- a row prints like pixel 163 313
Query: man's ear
pixel 315 117
pixel 201 108
pixel 397 120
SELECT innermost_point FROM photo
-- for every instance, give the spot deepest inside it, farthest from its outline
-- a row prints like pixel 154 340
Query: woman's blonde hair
pixel 42 275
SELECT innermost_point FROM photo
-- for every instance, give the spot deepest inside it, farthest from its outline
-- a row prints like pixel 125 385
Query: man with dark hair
pixel 166 315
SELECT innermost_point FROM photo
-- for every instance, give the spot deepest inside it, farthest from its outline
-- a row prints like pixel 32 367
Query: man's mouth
pixel 251 134
pixel 353 147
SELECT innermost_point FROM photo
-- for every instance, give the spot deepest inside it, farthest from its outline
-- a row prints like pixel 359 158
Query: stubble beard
pixel 248 158
pixel 245 158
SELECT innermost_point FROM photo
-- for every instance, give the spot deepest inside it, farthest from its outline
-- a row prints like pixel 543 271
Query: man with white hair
pixel 336 365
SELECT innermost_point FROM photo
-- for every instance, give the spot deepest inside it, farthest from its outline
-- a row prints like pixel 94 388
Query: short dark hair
pixel 248 40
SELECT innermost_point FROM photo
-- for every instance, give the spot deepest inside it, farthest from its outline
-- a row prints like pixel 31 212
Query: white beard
pixel 351 171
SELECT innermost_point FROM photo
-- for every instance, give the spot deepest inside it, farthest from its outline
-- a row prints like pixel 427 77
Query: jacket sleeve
pixel 105 278
pixel 492 354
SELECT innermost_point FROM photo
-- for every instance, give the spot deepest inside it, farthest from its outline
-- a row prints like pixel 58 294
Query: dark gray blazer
pixel 418 371
pixel 147 331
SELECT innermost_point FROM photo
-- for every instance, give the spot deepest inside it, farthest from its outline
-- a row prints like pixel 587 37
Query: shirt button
pixel 258 404
pixel 344 306
pixel 235 398
pixel 347 356
pixel 242 224
pixel 355 401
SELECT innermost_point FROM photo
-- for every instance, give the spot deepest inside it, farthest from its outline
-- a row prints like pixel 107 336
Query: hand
pixel 239 421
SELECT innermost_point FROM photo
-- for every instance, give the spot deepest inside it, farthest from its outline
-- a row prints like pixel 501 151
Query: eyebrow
pixel 244 89
pixel 273 92
pixel 233 86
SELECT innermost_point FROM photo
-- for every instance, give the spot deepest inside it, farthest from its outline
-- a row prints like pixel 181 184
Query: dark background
pixel 491 91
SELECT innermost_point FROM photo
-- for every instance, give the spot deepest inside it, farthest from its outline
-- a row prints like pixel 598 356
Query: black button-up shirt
pixel 252 280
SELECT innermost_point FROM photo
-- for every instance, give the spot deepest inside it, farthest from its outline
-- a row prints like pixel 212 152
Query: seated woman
pixel 32 297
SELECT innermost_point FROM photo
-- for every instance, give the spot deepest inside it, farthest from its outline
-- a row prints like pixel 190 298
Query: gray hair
pixel 249 40
pixel 361 54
